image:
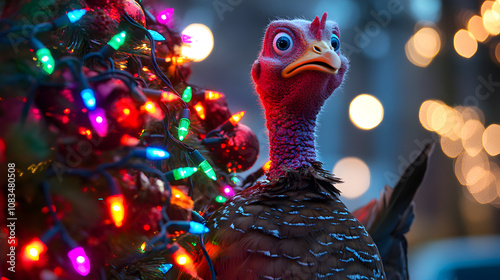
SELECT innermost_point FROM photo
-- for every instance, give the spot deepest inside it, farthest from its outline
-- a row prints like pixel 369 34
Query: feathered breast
pixel 292 228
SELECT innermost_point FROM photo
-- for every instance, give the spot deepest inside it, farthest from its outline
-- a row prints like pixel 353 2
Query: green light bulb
pixel 205 166
pixel 187 94
pixel 184 172
pixel 118 40
pixel 220 199
pixel 236 180
pixel 183 128
pixel 46 59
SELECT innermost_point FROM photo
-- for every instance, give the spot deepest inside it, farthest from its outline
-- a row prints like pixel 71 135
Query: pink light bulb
pixel 98 121
pixel 79 260
pixel 228 191
pixel 165 16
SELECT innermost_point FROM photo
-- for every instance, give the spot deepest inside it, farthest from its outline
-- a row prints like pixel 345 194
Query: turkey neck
pixel 291 141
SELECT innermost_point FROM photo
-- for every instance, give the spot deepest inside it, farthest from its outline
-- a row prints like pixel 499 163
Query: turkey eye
pixel 335 42
pixel 282 43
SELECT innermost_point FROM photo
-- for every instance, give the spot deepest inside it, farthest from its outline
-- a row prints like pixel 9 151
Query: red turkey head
pixel 300 65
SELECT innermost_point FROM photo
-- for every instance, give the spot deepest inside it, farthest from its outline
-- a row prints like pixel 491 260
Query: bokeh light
pixel 355 174
pixel 491 139
pixel 476 27
pixel 366 111
pixel 451 147
pixel 472 133
pixel 414 56
pixel 491 22
pixel 465 43
pixel 427 42
pixel 487 5
pixel 496 53
pixel 201 42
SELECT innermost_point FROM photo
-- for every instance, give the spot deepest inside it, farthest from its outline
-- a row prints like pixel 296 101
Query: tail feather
pixel 390 217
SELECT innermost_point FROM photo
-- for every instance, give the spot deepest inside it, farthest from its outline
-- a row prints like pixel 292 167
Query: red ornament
pixel 239 152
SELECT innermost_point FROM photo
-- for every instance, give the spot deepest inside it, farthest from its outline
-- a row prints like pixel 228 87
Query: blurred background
pixel 420 71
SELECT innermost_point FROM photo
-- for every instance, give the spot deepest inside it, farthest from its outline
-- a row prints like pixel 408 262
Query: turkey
pixel 293 225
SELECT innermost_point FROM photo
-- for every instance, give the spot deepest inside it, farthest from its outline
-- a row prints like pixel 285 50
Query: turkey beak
pixel 319 56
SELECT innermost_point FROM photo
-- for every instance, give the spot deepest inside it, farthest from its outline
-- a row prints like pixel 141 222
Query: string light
pixel 156 36
pixel 45 57
pixel 236 118
pixel 167 96
pixel 116 205
pixel 33 250
pixel 76 15
pixel 200 110
pixel 213 95
pixel 99 122
pixel 164 268
pixel 267 166
pixel 220 199
pixel 204 165
pixel 88 97
pixel 197 228
pixel 113 45
pixel 187 94
pixel 79 260
pixel 156 153
pixel 232 121
pixel 70 18
pixel 228 191
pixel 184 124
pixel 180 173
pixel 117 40
pixel 165 16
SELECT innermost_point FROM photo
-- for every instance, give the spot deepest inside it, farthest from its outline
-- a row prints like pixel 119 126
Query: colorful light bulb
pixel 197 228
pixel 212 95
pixel 156 36
pixel 117 40
pixel 88 97
pixel 76 15
pixel 180 173
pixel 116 204
pixel 207 168
pixel 45 57
pixel 33 250
pixel 156 154
pixel 187 94
pixel 164 268
pixel 220 199
pixel 236 118
pixel 80 261
pixel 165 16
pixel 183 128
pixel 167 96
pixel 267 166
pixel 228 191
pixel 236 180
pixel 200 110
pixel 99 121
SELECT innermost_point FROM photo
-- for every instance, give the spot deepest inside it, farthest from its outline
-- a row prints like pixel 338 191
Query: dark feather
pixel 389 218
pixel 291 228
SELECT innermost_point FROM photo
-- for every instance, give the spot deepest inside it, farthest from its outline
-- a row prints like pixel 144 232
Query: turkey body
pixel 291 228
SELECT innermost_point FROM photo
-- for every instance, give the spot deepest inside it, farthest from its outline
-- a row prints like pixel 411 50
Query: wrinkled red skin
pixel 292 104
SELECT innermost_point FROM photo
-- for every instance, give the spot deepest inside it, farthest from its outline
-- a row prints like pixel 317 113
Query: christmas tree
pixel 111 154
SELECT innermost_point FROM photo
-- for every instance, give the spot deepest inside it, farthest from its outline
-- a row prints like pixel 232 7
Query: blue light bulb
pixel 156 154
pixel 76 15
pixel 197 228
pixel 88 98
